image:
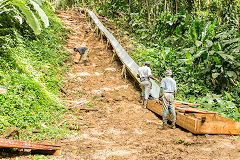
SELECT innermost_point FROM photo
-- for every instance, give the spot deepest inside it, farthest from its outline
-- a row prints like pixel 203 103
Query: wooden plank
pixel 7 143
pixel 62 89
pixel 187 122
pixel 201 122
pixel 192 110
pixel 182 120
pixel 151 105
pixel 219 127
pixel 180 102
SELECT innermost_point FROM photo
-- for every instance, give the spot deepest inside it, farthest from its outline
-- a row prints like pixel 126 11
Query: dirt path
pixel 121 128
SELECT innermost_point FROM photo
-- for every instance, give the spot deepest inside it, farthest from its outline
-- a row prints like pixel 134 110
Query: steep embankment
pixel 29 72
pixel 120 127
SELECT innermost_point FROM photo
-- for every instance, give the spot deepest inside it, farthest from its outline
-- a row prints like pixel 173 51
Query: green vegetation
pixel 31 61
pixel 199 40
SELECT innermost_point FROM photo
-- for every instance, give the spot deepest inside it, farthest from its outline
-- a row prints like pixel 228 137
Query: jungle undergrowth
pixel 198 54
pixel 31 68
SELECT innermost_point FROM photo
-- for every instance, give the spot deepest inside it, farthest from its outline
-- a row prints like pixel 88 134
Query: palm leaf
pixel 226 57
pixel 28 15
pixel 41 13
pixel 204 33
pixel 39 2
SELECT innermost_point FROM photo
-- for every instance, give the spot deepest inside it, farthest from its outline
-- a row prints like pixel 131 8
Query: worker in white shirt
pixel 168 89
pixel 144 73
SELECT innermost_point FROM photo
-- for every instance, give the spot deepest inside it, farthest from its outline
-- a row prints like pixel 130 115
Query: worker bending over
pixel 168 90
pixel 144 73
pixel 81 52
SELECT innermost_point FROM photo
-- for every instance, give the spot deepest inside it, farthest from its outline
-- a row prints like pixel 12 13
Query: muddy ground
pixel 118 127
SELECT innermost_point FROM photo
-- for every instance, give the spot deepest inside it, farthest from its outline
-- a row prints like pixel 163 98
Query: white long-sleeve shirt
pixel 144 71
pixel 168 84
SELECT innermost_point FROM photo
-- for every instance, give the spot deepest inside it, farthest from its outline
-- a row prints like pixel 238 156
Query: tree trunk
pixel 176 6
pixel 157 9
pixel 105 7
pixel 129 3
pixel 199 5
pixel 165 10
pixel 148 11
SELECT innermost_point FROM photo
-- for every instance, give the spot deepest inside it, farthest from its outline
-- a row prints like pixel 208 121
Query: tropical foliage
pixel 17 10
pixel 30 63
pixel 198 40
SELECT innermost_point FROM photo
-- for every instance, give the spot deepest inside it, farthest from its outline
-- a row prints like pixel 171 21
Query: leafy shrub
pixel 30 68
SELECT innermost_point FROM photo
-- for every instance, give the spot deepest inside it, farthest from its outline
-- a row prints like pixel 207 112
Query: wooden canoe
pixel 198 121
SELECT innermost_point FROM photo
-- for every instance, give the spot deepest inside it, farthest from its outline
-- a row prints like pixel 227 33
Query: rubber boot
pixel 145 103
pixel 164 127
pixel 173 125
pixel 143 99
